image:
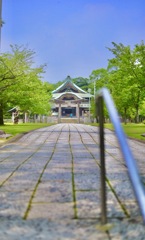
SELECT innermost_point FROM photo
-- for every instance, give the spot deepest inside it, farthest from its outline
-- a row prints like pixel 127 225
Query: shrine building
pixel 70 101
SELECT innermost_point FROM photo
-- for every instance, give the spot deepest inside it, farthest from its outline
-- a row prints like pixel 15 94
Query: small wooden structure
pixel 15 115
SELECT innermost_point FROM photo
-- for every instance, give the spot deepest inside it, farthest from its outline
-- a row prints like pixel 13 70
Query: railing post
pixel 102 161
pixel 133 172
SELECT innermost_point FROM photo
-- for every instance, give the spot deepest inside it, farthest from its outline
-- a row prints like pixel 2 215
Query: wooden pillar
pixel 59 113
pixel 35 119
pixel 13 116
pixel 78 112
pixel 26 117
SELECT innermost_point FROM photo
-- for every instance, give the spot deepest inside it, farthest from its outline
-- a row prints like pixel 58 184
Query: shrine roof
pixel 68 86
pixel 57 96
pixel 78 95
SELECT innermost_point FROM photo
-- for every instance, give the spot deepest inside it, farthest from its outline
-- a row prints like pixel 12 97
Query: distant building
pixel 70 101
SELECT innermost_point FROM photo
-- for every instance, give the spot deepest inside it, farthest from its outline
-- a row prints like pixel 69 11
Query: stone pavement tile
pixel 114 163
pixel 55 220
pixel 87 181
pixel 5 173
pixel 10 209
pixel 20 176
pixel 96 154
pixel 62 154
pixel 114 209
pixel 31 169
pixel 9 165
pixel 141 169
pixel 123 189
pixel 35 159
pixel 63 157
pixel 24 153
pixel 19 156
pixel 61 151
pixel 117 174
pixel 13 203
pixel 116 157
pixel 34 167
pixel 87 204
pixel 85 168
pixel 127 229
pixel 51 174
pixel 47 147
pixel 85 160
pixel 60 164
pixel 42 154
pixel 4 155
pixel 143 178
pixel 12 148
pixel 64 143
pixel 15 195
pixel 132 208
pixel 24 184
pixel 81 155
pixel 52 211
pixel 111 148
pixel 76 145
pixel 85 163
pixel 91 145
pixel 17 229
pixel 54 192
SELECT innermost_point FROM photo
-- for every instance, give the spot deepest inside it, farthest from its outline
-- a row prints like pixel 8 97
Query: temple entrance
pixel 69 102
pixel 68 112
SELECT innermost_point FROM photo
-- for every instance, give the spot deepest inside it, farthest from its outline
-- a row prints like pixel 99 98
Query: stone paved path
pixel 50 186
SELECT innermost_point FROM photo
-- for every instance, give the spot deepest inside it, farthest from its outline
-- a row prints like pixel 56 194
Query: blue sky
pixel 71 36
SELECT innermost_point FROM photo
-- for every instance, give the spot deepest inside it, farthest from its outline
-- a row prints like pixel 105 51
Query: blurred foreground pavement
pixel 50 186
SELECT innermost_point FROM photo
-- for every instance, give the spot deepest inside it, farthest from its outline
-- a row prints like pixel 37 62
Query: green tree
pixel 130 75
pixel 82 83
pixel 20 82
pixel 98 80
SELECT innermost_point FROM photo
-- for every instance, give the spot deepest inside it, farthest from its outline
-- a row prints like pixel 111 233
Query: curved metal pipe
pixel 133 172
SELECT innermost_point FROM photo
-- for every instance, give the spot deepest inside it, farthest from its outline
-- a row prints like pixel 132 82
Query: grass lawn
pixel 132 130
pixel 15 129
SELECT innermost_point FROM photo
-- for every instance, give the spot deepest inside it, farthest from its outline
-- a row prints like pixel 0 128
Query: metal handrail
pixel 133 172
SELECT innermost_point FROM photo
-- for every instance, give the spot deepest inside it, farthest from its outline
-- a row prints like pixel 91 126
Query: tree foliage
pixel 20 83
pixel 125 78
pixel 82 83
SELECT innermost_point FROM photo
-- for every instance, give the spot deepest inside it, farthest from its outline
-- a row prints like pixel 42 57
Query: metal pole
pixel 59 113
pixel 89 90
pixel 0 20
pixel 102 163
pixel 133 172
pixel 89 109
pixel 78 106
pixel 94 90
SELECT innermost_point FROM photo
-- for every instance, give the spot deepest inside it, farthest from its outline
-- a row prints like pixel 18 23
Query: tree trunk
pixel 125 116
pixel 1 114
pixel 137 115
pixel 137 109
